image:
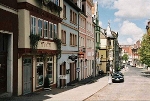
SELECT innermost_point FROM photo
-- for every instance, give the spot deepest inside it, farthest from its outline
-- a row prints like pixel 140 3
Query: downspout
pixel 78 45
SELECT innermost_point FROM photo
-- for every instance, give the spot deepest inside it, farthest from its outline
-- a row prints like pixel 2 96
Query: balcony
pixel 51 5
pixel 54 7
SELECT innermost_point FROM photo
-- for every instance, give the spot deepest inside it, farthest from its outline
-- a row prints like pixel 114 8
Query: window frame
pixel 64 11
pixel 52 61
pixel 33 25
pixel 41 27
pixel 63 37
pixel 42 62
pixel 44 29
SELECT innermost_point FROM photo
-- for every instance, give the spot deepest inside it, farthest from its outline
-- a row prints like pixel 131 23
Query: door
pixel 63 72
pixel 3 63
pixel 27 75
pixel 72 72
pixel 3 72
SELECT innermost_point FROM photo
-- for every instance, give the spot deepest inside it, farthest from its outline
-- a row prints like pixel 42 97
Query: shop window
pixel 50 68
pixel 39 72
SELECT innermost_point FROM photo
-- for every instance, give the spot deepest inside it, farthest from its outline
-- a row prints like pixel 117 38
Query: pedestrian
pixel 111 69
pixel 109 79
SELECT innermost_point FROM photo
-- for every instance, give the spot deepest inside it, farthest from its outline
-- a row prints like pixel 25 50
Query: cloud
pixel 132 9
pixel 129 41
pixel 126 41
pixel 117 20
pixel 128 9
pixel 130 29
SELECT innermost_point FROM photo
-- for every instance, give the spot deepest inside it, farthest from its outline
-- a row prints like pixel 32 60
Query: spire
pixel 109 30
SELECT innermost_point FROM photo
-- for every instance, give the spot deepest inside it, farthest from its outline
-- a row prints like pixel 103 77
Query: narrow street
pixel 135 87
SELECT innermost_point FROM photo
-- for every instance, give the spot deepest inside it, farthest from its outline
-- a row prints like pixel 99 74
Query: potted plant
pixel 47 83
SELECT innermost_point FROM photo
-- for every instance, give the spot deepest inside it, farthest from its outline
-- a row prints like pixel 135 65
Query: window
pixel 45 29
pixel 64 11
pixel 50 30
pixel 73 39
pixel 40 27
pixel 39 72
pixel 63 36
pixel 50 68
pixel 57 2
pixel 97 37
pixel 73 17
pixel 33 25
pixel 70 15
pixel 55 30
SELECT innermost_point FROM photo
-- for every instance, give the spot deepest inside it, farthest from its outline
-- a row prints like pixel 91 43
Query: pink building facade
pixel 86 40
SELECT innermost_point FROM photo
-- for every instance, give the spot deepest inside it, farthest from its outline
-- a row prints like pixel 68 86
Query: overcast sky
pixel 127 17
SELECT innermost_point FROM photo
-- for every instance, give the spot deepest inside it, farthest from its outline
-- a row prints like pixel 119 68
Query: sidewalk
pixel 79 92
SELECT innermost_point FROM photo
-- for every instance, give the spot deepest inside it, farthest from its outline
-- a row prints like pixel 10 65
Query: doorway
pixel 27 75
pixel 3 62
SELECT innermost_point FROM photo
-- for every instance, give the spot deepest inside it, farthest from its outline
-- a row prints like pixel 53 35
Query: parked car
pixel 101 72
pixel 123 66
pixel 118 72
pixel 117 78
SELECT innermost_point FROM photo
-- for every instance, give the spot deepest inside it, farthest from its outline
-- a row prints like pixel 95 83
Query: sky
pixel 127 17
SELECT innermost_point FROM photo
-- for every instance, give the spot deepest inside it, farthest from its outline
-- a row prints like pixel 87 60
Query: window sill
pixel 73 45
pixel 65 18
pixel 43 39
pixel 64 44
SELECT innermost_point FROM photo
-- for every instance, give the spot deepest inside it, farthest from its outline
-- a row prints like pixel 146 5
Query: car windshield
pixel 116 74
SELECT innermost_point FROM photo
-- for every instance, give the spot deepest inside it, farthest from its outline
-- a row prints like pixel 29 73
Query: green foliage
pixel 58 42
pixel 34 38
pixel 125 57
pixel 46 82
pixel 144 50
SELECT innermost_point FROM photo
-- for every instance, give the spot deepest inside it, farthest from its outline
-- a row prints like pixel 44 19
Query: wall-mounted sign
pixel 73 57
pixel 62 77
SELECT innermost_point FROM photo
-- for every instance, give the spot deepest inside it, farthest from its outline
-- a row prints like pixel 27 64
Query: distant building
pixel 127 49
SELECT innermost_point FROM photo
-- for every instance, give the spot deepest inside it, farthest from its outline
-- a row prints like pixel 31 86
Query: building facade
pixel 8 47
pixel 39 43
pixel 103 52
pixel 89 39
pixel 82 41
pixel 68 63
pixel 95 14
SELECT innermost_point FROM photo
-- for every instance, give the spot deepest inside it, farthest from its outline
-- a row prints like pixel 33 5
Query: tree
pixel 125 57
pixel 144 50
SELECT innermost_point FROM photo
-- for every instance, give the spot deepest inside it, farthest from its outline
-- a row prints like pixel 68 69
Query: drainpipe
pixel 78 46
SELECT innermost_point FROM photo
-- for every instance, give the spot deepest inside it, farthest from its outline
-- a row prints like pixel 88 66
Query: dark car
pixel 117 78
pixel 118 72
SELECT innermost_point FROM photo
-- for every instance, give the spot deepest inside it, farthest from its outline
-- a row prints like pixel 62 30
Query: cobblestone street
pixel 135 87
